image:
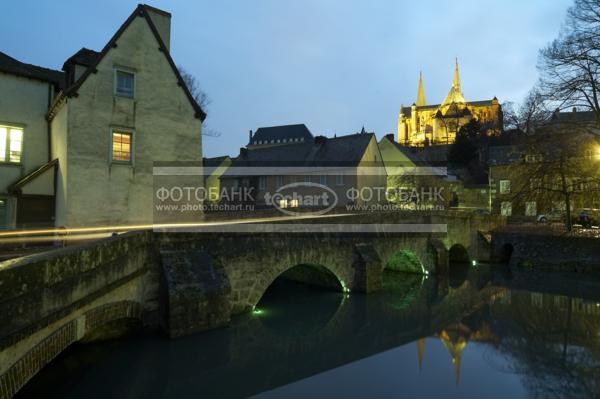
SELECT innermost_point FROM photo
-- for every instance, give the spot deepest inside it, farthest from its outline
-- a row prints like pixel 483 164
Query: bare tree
pixel 570 65
pixel 199 96
pixel 531 113
pixel 194 87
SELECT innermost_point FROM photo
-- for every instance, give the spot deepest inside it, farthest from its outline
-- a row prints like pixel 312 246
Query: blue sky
pixel 331 64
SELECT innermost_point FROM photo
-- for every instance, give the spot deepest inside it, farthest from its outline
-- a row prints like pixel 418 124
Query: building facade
pixel 342 163
pixel 96 130
pixel 422 124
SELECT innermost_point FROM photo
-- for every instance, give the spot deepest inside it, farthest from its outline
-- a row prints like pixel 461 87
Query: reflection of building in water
pixel 455 338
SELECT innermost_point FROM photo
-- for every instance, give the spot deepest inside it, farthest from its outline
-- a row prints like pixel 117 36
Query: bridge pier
pixel 368 269
pixel 195 293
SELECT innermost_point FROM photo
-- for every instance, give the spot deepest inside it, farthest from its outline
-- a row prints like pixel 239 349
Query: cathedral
pixel 423 125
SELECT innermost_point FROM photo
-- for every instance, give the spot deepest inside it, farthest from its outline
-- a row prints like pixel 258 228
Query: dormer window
pixel 124 83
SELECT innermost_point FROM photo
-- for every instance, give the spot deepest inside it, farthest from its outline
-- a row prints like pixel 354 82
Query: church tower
pixel 455 95
pixel 421 93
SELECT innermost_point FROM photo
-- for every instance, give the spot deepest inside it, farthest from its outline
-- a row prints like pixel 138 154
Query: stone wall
pixel 547 252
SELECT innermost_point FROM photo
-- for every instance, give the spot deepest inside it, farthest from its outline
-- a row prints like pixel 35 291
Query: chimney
pixel 390 136
pixel 574 109
pixel 243 152
pixel 162 21
pixel 250 137
pixel 320 140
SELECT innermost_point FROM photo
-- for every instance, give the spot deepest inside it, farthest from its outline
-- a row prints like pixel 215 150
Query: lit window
pixel 506 208
pixel 121 146
pixel 339 180
pixel 11 144
pixel 283 203
pixel 504 186
pixel 294 203
pixel 124 83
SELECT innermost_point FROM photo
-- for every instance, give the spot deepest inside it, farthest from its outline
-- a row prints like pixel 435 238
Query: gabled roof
pixel 322 151
pixel 284 132
pixel 140 11
pixel 14 67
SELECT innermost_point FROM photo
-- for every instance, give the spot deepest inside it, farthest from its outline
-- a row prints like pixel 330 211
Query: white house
pixel 77 146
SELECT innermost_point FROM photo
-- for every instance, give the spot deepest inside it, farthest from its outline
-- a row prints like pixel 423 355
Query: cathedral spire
pixel 455 95
pixel 421 93
pixel 456 81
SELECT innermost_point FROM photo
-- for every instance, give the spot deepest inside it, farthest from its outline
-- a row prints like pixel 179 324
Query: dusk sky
pixel 333 65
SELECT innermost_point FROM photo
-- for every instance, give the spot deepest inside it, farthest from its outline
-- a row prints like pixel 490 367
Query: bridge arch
pixel 405 260
pixel 311 273
pixel 61 336
pixel 458 254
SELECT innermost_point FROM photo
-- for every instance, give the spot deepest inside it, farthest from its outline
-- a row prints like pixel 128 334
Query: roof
pixel 142 11
pixel 215 161
pixel 14 67
pixel 406 111
pixel 573 116
pixel 281 133
pixel 322 151
pixel 409 152
pixel 15 187
pixel 84 56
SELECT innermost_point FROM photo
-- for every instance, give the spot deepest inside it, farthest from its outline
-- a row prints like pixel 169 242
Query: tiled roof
pixel 14 67
pixel 338 151
pixel 286 132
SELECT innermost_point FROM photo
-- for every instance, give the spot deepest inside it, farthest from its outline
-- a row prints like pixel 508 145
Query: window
pixel 589 154
pixel 279 181
pixel 262 182
pixel 532 158
pixel 504 186
pixel 3 214
pixel 124 83
pixel 506 208
pixel 11 144
pixel 121 147
pixel 535 184
pixel 323 179
pixel 339 180
pixel 530 208
pixel 307 179
pixel 537 299
pixel 293 203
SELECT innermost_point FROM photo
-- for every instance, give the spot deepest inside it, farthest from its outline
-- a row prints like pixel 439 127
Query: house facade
pixel 101 125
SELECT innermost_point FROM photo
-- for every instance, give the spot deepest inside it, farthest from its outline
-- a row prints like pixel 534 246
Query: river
pixel 475 335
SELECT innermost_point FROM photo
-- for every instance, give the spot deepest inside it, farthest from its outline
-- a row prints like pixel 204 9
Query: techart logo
pixel 303 198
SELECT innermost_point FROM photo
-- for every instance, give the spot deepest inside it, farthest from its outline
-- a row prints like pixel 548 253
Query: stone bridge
pixel 192 281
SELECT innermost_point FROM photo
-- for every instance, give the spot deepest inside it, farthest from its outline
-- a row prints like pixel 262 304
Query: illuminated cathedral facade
pixel 422 125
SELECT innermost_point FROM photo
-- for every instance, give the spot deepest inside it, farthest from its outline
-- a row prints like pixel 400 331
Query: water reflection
pixel 419 337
